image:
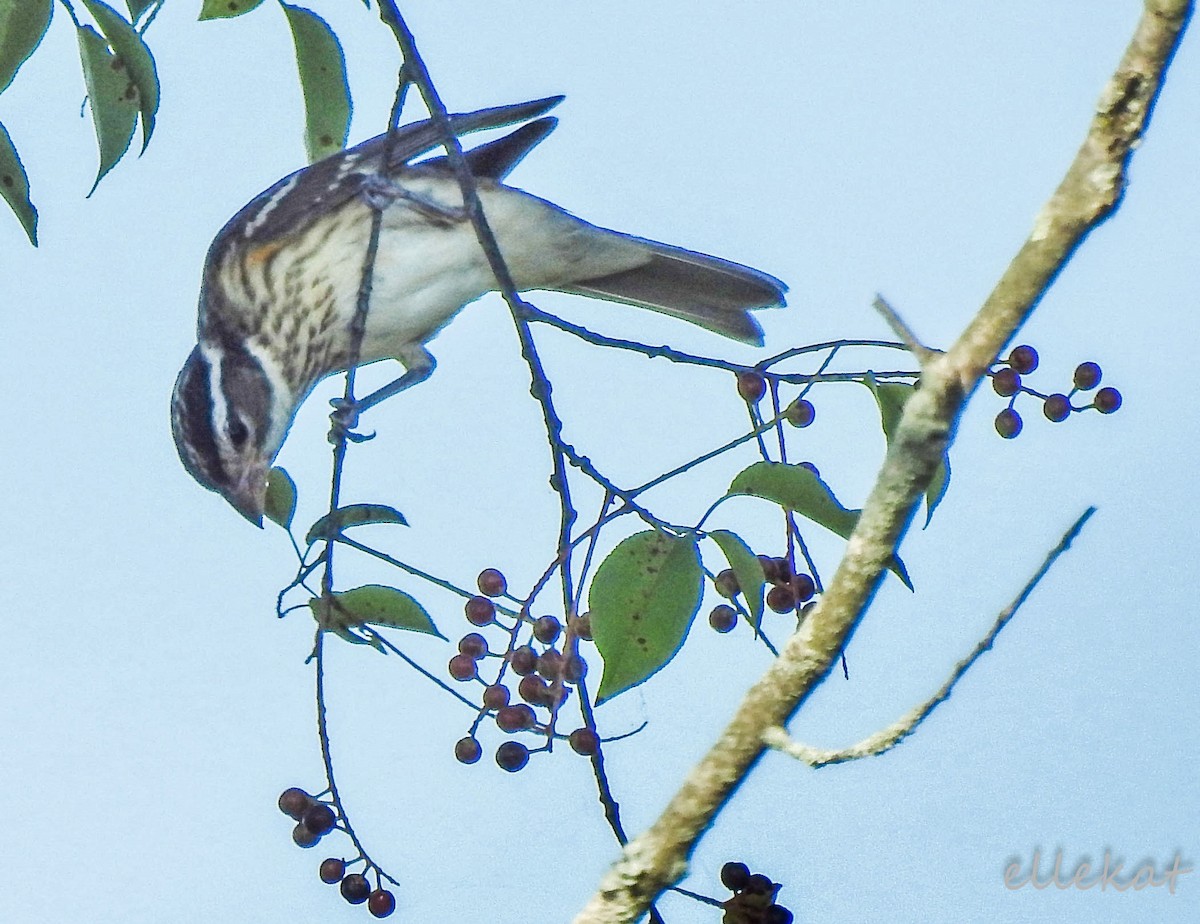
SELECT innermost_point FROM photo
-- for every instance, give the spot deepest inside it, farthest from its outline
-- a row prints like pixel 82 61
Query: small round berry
pixel 1023 359
pixel 781 599
pixel 584 741
pixel 803 587
pixel 515 718
pixel 533 690
pixel 770 567
pixel 549 664
pixel 463 667
pixel 726 584
pixel 467 750
pixel 1087 376
pixel 751 386
pixel 723 618
pixel 758 884
pixel 512 756
pixel 473 645
pixel 583 626
pixel 355 888
pixel 546 629
pixel 800 413
pixel 1057 408
pixel 1107 400
pixel 295 802
pixel 1006 382
pixel 491 583
pixel 734 876
pixel 777 914
pixel 574 668
pixel 496 696
pixel 480 611
pixel 332 870
pixel 523 660
pixel 303 836
pixel 319 819
pixel 1008 423
pixel 382 903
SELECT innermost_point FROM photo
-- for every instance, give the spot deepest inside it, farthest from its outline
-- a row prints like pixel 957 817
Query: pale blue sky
pixel 154 708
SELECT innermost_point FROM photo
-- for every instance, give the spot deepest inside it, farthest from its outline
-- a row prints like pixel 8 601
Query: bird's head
pixel 229 422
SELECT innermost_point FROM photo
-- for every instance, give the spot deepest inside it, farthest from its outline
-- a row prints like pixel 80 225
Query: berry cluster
pixel 314 819
pixel 789 591
pixel 545 674
pixel 753 900
pixel 1007 382
pixel 752 385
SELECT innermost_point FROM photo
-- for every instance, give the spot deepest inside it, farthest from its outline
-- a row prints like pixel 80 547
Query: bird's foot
pixel 379 192
pixel 343 420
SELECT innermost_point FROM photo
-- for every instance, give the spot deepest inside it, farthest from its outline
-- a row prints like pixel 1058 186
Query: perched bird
pixel 281 283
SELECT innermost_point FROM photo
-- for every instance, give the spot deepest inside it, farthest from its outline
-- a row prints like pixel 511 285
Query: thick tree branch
pixel 1090 191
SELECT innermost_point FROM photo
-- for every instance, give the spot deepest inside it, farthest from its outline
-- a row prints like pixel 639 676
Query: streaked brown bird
pixel 281 283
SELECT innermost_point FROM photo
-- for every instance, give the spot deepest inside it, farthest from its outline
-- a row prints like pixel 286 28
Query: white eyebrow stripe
pixel 220 414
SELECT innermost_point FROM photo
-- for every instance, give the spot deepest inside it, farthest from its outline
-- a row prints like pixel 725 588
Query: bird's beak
pixel 249 495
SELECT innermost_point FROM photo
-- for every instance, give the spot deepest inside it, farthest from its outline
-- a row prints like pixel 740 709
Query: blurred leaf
pixel 798 488
pixel 138 7
pixel 22 25
pixel 224 9
pixel 113 100
pixel 281 497
pixel 139 63
pixel 891 398
pixel 642 601
pixel 14 186
pixel 748 570
pixel 372 604
pixel 353 515
pixel 323 80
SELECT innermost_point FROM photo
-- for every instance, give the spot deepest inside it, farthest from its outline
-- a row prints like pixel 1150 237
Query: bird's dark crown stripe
pixel 198 449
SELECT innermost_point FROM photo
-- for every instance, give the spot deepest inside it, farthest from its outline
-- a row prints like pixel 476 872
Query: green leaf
pixel 113 99
pixel 22 25
pixel 136 57
pixel 225 9
pixel 353 515
pixel 372 604
pixel 798 488
pixel 891 398
pixel 137 8
pixel 746 568
pixel 323 80
pixel 14 186
pixel 642 600
pixel 281 497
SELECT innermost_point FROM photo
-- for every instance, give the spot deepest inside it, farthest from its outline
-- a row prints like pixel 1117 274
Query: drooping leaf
pixel 642 600
pixel 112 98
pixel 352 515
pixel 891 398
pixel 225 9
pixel 323 81
pixel 137 8
pixel 14 186
pixel 138 63
pixel 800 489
pixel 22 25
pixel 371 604
pixel 281 497
pixel 746 568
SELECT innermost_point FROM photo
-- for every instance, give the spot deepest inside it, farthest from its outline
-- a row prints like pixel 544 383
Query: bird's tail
pixel 716 294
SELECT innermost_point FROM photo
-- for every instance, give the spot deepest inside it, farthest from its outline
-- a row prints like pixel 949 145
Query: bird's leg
pixel 379 192
pixel 418 366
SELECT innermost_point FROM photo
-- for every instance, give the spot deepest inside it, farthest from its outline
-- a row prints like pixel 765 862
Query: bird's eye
pixel 238 432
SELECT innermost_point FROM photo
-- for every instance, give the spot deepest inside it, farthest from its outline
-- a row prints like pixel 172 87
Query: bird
pixel 280 283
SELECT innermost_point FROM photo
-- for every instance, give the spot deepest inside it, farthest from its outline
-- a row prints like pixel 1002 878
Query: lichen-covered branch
pixel 1089 192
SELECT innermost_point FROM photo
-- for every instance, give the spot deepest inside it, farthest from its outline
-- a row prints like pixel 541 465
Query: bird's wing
pixel 294 202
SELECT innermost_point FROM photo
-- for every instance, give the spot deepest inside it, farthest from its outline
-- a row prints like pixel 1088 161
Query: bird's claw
pixel 343 420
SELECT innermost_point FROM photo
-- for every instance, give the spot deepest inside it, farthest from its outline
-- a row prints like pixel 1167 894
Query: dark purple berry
pixel 512 756
pixel 496 696
pixel 295 802
pixel 473 645
pixel 549 664
pixel 1023 359
pixel 303 836
pixel 1087 376
pixel 1107 400
pixel 583 626
pixel 491 583
pixel 463 667
pixel 1006 382
pixel 546 629
pixel 533 690
pixel 467 750
pixel 480 611
pixel 770 567
pixel 777 914
pixel 382 903
pixel 726 584
pixel 1008 423
pixel 332 870
pixel 515 718
pixel 758 884
pixel 355 888
pixel 803 587
pixel 751 386
pixel 584 741
pixel 574 668
pixel 723 618
pixel 523 660
pixel 734 876
pixel 800 413
pixel 1057 408
pixel 319 819
pixel 781 599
